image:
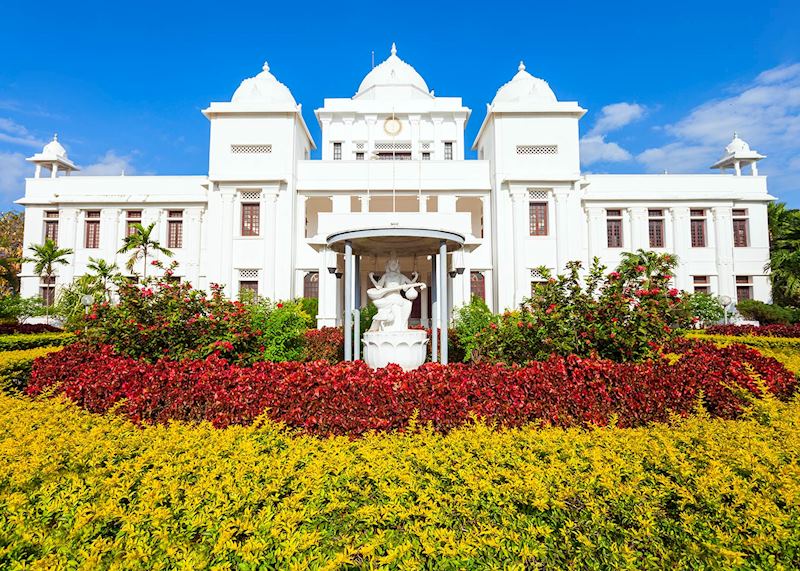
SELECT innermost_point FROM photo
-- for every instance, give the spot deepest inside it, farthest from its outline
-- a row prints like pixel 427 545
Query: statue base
pixel 405 348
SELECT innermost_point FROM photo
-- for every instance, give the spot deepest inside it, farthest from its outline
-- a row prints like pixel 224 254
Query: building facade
pixel 393 156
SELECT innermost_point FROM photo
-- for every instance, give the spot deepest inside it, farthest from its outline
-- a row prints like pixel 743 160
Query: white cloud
pixel 110 164
pixel 765 113
pixel 16 134
pixel 595 149
pixel 616 116
pixel 13 169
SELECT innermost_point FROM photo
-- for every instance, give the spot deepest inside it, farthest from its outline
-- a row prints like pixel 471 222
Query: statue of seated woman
pixel 393 309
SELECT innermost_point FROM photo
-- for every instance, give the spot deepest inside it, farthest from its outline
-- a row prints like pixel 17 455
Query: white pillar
pixel 723 232
pixel 226 241
pixel 348 301
pixel 640 235
pixel 681 231
pixel 563 237
pixel 269 241
pixel 443 319
pixel 434 309
pixel 521 229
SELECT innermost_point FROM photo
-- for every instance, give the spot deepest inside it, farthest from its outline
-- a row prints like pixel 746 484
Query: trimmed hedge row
pixel 350 398
pixel 785 350
pixel 10 328
pixel 15 367
pixel 22 341
pixel 771 330
pixel 81 491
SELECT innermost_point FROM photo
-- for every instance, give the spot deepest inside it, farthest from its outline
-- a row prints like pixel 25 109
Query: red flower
pixel 614 275
pixel 520 324
pixel 640 269
pixel 493 325
pixel 280 305
pixel 673 292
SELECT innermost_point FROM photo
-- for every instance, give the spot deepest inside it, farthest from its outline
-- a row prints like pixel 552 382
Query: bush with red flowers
pixel 624 315
pixel 773 330
pixel 350 398
pixel 325 344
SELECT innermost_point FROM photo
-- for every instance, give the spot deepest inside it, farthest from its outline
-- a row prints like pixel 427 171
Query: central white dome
pixel 524 88
pixel 393 72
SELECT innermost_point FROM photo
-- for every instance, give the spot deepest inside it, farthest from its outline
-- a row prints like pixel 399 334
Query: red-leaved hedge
pixel 771 330
pixel 27 328
pixel 350 398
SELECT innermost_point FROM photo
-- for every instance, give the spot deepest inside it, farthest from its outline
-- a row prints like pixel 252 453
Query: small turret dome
pixel 263 88
pixel 393 73
pixel 525 88
pixel 54 149
pixel 737 146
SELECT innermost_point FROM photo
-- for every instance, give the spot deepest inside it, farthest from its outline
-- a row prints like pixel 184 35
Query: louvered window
pixel 251 219
pixel 656 227
pixel 614 228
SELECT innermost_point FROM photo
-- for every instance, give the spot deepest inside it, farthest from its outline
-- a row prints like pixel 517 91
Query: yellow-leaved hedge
pixel 784 349
pixel 15 366
pixel 82 491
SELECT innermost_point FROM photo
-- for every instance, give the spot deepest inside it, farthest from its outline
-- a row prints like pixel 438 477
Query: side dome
pixel 393 72
pixel 263 88
pixel 737 146
pixel 524 88
pixel 54 148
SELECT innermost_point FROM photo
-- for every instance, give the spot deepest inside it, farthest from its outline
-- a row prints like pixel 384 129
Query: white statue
pixel 393 309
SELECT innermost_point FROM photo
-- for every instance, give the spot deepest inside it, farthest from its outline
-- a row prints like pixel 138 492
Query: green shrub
pixel 705 308
pixel 767 313
pixel 367 313
pixel 14 307
pixel 281 328
pixel 468 322
pixel 19 342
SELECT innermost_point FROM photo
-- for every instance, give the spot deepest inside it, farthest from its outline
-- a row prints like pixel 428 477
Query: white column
pixel 192 238
pixel 226 239
pixel 443 304
pixel 348 301
pixel 519 200
pixel 723 232
pixel 680 231
pixel 563 237
pixel 270 242
pixel 639 232
pixel 67 238
pixel 597 232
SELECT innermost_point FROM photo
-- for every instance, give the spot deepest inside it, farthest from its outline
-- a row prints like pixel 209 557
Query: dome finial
pixel 735 135
pixel 521 66
pixel 55 136
pixel 265 67
pixel 394 49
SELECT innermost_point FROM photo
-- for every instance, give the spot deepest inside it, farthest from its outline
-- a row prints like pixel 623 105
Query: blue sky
pixel 665 84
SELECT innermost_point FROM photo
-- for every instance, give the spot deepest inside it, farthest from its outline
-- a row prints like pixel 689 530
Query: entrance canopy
pixel 401 240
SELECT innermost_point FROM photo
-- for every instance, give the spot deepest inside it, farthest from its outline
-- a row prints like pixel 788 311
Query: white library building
pixel 393 183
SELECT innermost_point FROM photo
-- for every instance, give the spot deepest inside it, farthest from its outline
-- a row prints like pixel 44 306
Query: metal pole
pixel 357 311
pixel 443 298
pixel 434 312
pixel 348 301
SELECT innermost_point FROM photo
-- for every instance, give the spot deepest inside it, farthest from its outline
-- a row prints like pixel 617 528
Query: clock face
pixel 392 126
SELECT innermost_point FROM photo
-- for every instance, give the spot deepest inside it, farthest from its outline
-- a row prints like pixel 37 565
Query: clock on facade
pixel 392 126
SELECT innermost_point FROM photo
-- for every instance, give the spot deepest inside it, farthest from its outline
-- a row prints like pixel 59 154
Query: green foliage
pixel 623 316
pixel 70 300
pixel 22 341
pixel 367 313
pixel 309 305
pixel 705 308
pixel 12 230
pixel 14 307
pixel 767 313
pixel 84 491
pixel 141 244
pixel 468 322
pixel 784 246
pixel 281 328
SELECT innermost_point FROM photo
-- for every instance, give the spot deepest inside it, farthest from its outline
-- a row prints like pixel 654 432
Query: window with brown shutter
pixel 132 217
pixel 251 219
pixel 51 225
pixel 448 151
pixel 656 228
pixel 698 227
pixel 248 288
pixel 744 287
pixel 337 151
pixel 311 285
pixel 174 228
pixel 702 284
pixel 477 285
pixel 614 228
pixel 538 218
pixel 740 228
pixel 47 290
pixel 92 229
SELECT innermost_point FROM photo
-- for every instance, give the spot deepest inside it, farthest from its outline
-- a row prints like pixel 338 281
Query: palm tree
pixel 784 247
pixel 103 272
pixel 142 244
pixel 45 259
